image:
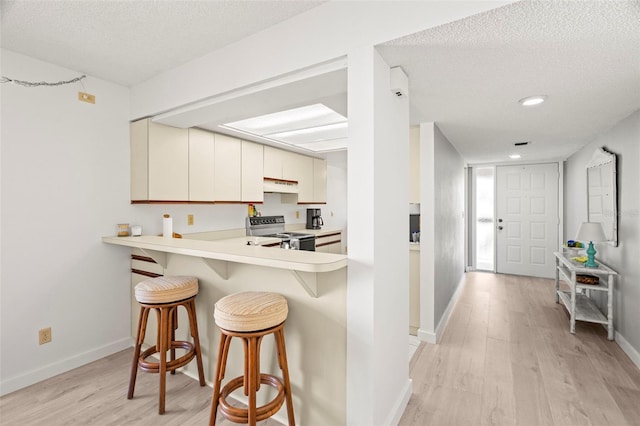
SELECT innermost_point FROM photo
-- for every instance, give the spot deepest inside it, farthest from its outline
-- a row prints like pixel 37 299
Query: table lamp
pixel 591 231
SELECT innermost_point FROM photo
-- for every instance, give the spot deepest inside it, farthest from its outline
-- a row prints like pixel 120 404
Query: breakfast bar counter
pixel 248 250
pixel 314 284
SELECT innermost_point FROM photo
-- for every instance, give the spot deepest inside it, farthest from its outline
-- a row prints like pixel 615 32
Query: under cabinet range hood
pixel 280 186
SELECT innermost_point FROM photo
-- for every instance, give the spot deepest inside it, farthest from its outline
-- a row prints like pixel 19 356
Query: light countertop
pixel 237 250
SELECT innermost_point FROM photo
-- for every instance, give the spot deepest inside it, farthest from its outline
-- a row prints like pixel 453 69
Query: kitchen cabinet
pixel 319 180
pixel 159 162
pixel 201 165
pixel 252 172
pixel 272 162
pixel 291 167
pixel 227 168
pixel 304 176
pixel 329 243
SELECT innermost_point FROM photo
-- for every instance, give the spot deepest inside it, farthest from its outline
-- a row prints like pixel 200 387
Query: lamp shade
pixel 591 231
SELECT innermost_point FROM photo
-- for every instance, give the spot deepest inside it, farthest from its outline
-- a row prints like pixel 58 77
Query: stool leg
pixel 223 350
pixel 173 325
pixel 282 359
pixel 164 337
pixel 193 326
pixel 142 327
pixel 253 346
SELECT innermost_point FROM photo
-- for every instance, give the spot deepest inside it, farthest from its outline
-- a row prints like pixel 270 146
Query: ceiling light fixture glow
pixel 532 100
pixel 302 127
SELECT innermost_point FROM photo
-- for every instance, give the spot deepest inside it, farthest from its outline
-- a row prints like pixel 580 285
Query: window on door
pixel 484 233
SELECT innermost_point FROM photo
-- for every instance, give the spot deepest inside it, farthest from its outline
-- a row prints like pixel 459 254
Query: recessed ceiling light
pixel 532 100
pixel 303 127
pixel 514 156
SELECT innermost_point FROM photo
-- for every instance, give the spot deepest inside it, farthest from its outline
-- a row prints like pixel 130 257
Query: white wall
pixel 65 184
pixel 65 173
pixel 378 385
pixel 442 230
pixel 622 140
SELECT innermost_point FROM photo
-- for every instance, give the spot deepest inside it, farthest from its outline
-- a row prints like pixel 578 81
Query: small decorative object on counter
pixel 123 230
pixel 167 226
pixel 136 230
pixel 252 211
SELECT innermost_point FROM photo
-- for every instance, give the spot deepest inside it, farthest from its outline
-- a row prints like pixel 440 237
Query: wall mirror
pixel 601 193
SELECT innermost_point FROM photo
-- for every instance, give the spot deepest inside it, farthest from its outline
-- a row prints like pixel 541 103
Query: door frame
pixel 470 197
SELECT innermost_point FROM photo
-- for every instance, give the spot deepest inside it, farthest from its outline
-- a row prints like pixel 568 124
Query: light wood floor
pixel 506 357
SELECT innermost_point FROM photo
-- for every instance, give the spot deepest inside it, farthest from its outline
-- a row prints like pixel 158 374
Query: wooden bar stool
pixel 165 295
pixel 251 316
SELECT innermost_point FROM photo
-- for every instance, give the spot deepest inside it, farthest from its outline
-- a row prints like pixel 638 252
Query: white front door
pixel 527 219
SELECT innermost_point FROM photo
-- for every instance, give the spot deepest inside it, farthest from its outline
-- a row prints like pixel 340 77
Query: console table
pixel 579 303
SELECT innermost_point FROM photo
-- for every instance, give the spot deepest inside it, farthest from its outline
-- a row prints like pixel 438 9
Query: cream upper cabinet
pixel 252 172
pixel 139 133
pixel 201 165
pixel 272 162
pixel 414 164
pixel 319 180
pixel 228 168
pixel 159 162
pixel 168 163
pixel 290 165
pixel 304 174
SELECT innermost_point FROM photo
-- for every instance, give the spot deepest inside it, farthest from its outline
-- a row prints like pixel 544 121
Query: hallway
pixel 507 357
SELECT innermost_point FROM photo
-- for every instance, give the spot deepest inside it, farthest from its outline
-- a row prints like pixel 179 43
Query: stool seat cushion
pixel 167 289
pixel 250 311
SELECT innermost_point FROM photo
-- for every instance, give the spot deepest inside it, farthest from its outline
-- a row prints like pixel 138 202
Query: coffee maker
pixel 314 219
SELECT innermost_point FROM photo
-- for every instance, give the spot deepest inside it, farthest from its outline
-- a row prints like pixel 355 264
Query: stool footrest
pixel 154 366
pixel 241 415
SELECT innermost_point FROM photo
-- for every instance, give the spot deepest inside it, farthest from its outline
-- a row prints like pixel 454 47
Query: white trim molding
pixel 34 376
pixel 430 337
pixel 631 352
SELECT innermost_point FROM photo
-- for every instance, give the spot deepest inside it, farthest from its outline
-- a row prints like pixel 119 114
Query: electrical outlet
pixel 86 97
pixel 190 219
pixel 44 335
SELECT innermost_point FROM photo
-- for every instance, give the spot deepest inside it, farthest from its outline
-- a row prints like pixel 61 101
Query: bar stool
pixel 165 295
pixel 251 316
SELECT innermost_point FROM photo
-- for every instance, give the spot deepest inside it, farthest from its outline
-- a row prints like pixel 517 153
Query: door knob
pixel 500 220
pixel 500 228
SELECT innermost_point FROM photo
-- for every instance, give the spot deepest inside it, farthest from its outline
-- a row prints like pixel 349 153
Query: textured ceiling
pixel 129 41
pixel 468 75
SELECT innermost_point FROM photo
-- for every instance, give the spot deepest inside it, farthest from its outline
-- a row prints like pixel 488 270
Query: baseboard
pixel 22 381
pixel 400 404
pixel 433 338
pixel 631 352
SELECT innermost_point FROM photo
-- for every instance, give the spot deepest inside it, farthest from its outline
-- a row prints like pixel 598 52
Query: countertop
pixel 237 250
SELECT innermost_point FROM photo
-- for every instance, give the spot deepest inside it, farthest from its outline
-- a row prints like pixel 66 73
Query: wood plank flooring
pixel 506 358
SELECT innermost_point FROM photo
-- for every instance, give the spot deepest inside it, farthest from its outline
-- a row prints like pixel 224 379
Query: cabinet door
pixel 138 134
pixel 227 168
pixel 272 162
pixel 305 179
pixel 319 180
pixel 201 165
pixel 252 172
pixel 290 165
pixel 168 163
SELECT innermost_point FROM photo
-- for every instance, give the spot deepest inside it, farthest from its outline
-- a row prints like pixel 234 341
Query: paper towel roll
pixel 167 226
